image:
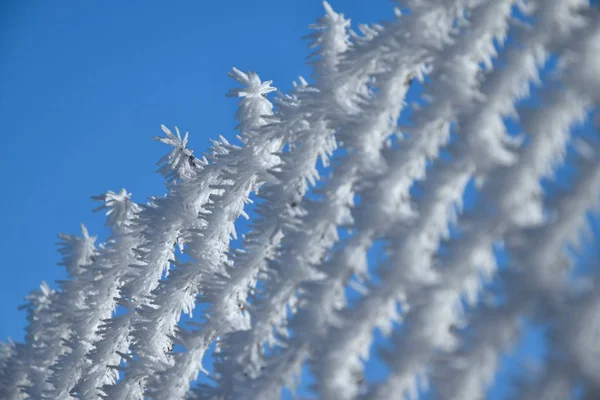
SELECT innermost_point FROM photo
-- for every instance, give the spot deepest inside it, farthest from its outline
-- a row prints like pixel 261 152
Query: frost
pixel 302 290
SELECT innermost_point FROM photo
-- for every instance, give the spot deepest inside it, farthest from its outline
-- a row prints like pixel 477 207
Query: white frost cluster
pixel 337 167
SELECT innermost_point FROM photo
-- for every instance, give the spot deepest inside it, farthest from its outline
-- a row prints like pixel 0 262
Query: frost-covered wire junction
pixel 359 249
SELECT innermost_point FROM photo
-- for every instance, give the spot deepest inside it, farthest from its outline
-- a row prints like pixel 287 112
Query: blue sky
pixel 84 85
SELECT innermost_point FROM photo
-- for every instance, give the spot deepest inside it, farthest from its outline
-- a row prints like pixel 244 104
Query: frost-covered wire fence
pixel 434 184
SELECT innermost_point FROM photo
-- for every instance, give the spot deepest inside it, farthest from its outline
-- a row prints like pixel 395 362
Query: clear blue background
pixel 84 85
